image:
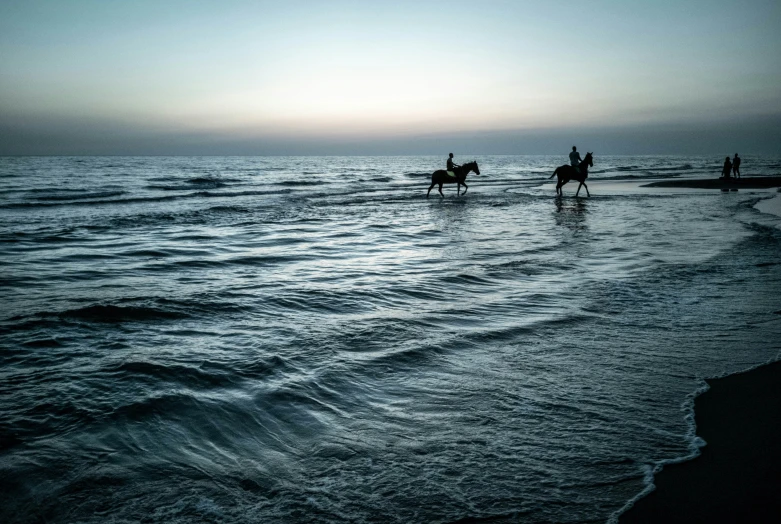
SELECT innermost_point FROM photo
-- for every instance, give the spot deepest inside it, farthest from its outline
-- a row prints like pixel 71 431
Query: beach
pixel 737 478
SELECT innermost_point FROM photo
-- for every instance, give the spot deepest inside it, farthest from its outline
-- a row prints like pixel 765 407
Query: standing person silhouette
pixel 727 169
pixel 451 167
pixel 574 157
pixel 736 166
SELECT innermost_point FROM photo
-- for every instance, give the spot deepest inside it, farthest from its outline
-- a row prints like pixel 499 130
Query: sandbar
pixel 757 182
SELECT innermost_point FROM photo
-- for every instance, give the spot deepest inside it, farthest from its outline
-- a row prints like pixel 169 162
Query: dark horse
pixel 567 173
pixel 441 177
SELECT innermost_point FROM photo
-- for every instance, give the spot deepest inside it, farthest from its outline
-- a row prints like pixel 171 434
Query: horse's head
pixel 473 167
pixel 589 160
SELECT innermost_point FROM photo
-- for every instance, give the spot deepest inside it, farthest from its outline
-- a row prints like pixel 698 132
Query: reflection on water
pixel 571 212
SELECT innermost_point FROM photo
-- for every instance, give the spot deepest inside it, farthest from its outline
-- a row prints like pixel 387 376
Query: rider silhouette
pixel 451 167
pixel 574 157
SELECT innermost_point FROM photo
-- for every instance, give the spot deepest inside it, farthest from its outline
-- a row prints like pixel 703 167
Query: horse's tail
pixel 554 173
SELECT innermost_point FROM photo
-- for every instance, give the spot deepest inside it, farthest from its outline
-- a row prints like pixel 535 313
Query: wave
pixel 647 168
pixel 12 237
pixel 137 200
pixel 206 375
pixel 212 180
pixel 227 209
pixel 163 405
pixel 294 183
pixel 110 314
pixel 523 267
pixel 209 263
pixel 263 368
pixel 192 183
pixel 157 187
pixel 83 196
pixel 186 375
pixel 90 202
pixel 464 278
pixel 684 167
pixel 146 253
pixel 43 343
pixel 56 189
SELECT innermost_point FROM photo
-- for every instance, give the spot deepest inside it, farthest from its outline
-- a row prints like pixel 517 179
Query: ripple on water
pixel 298 339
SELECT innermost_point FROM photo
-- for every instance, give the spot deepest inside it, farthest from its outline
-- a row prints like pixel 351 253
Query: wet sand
pixel 737 478
pixel 760 182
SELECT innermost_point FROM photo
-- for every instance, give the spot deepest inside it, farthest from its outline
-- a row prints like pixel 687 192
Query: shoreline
pixel 737 476
pixel 770 206
pixel 759 182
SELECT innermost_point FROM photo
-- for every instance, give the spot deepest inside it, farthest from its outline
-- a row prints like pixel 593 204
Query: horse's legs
pixel 430 188
pixel 465 188
pixel 459 189
pixel 584 185
pixel 440 190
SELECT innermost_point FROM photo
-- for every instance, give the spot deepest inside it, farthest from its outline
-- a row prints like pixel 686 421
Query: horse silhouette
pixel 567 173
pixel 441 177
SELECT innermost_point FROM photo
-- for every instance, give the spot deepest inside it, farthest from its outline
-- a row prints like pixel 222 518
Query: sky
pixel 389 77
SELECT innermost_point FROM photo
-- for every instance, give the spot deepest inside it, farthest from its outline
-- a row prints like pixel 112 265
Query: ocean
pixel 309 339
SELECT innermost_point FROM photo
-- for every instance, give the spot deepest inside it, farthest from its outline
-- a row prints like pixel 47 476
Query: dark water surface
pixel 310 339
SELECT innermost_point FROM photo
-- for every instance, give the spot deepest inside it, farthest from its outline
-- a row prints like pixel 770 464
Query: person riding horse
pixel 570 172
pixel 451 167
pixel 457 176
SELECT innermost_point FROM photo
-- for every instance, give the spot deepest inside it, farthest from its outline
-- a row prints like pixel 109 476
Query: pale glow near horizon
pixel 386 68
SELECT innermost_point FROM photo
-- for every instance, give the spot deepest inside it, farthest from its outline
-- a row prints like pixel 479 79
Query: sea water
pixel 305 339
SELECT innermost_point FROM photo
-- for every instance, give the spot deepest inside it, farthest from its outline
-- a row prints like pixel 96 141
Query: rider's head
pixel 451 155
pixel 574 148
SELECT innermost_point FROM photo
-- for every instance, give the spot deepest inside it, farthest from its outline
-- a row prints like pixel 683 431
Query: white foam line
pixel 771 206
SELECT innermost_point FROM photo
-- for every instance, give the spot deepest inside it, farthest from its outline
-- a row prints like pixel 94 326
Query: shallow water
pixel 302 338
